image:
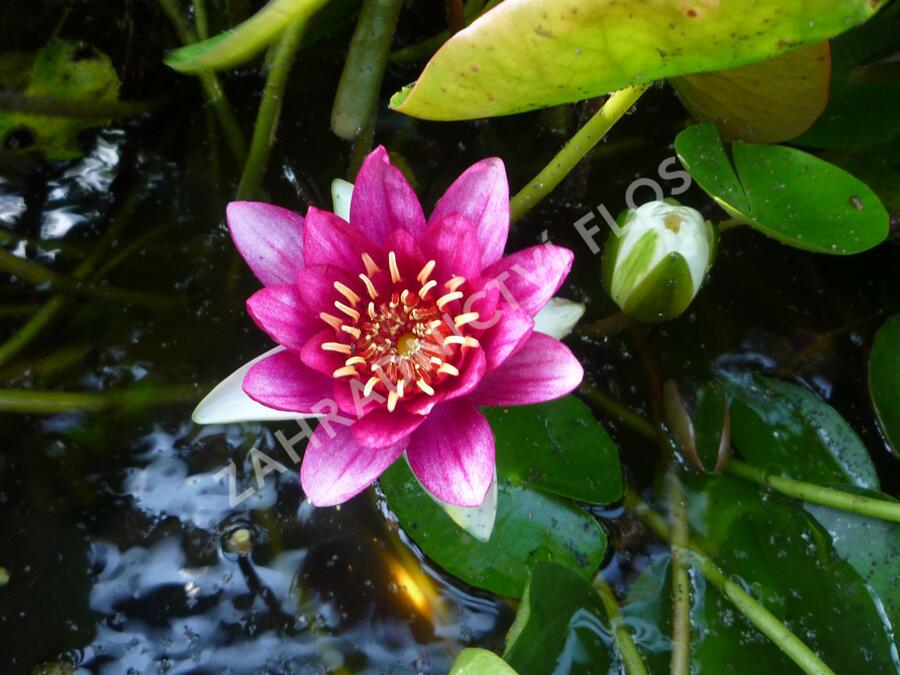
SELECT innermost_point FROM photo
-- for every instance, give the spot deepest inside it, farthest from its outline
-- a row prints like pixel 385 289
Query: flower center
pixel 403 339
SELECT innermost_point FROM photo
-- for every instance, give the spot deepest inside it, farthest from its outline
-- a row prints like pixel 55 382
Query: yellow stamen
pixel 349 311
pixel 371 310
pixel 471 342
pixel 345 371
pixel 331 320
pixel 454 340
pixel 424 387
pixel 348 293
pixel 370 385
pixel 400 386
pixel 426 272
pixel 455 283
pixel 371 267
pixel 448 369
pixel 370 287
pixel 355 332
pixel 463 319
pixel 393 397
pixel 395 271
pixel 353 360
pixel 427 287
pixel 449 297
pixel 338 347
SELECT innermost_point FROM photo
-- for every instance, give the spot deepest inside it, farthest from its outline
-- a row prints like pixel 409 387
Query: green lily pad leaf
pixel 63 70
pixel 884 379
pixel 781 427
pixel 538 53
pixel 244 41
pixel 878 166
pixel 870 545
pixel 474 661
pixel 765 102
pixel 561 626
pixel 864 99
pixel 786 193
pixel 557 447
pixel 530 526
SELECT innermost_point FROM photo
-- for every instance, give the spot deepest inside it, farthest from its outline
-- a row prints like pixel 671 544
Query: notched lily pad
pixel 63 70
pixel 785 193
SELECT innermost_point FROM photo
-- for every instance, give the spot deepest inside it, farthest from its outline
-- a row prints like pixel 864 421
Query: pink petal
pixel 452 454
pixel 481 194
pixel 317 291
pixel 542 370
pixel 269 238
pixel 383 200
pixel 529 278
pixel 452 242
pixel 322 361
pixel 336 467
pixel 329 240
pixel 409 254
pixel 283 382
pixel 381 428
pixel 510 333
pixel 282 314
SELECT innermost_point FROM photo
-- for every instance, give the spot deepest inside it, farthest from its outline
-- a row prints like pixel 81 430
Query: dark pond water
pixel 114 528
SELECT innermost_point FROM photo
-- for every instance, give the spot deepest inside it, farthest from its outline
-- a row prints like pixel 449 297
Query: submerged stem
pixel 817 494
pixel 767 623
pixel 681 582
pixel 631 657
pixel 574 150
pixel 270 109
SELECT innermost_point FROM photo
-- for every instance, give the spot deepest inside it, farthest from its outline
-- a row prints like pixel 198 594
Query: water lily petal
pixel 329 240
pixel 335 467
pixel 282 314
pixel 510 333
pixel 228 403
pixel 530 277
pixel 341 196
pixel 558 317
pixel 481 194
pixel 453 244
pixel 477 521
pixel 283 381
pixel 383 200
pixel 381 428
pixel 542 370
pixel 322 360
pixel 269 238
pixel 452 453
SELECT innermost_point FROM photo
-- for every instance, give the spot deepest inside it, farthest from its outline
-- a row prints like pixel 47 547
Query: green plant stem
pixel 46 314
pixel 201 20
pixel 817 494
pixel 631 657
pixel 681 581
pixel 756 613
pixel 55 107
pixel 729 224
pixel 357 93
pixel 15 311
pixel 38 275
pixel 212 88
pixel 55 402
pixel 808 492
pixel 46 366
pixel 572 152
pixel 270 109
pixel 607 326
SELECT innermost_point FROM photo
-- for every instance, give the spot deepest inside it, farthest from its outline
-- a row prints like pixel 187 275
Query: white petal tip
pixel 558 317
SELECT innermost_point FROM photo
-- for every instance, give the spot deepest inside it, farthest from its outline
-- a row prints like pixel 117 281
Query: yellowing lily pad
pixel 766 102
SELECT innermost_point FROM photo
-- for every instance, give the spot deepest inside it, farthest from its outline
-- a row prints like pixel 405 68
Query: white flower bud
pixel 656 264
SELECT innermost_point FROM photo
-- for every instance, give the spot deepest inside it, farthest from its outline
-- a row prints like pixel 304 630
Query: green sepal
pixel 664 293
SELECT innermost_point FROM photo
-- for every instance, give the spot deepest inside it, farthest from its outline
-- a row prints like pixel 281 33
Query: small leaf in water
pixel 474 661
pixel 884 380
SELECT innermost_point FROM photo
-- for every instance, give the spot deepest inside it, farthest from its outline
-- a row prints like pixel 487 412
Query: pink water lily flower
pixel 398 328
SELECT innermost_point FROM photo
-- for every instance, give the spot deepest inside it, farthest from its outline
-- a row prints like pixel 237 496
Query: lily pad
pixel 865 93
pixel 561 626
pixel 63 70
pixel 781 427
pixel 538 53
pixel 785 193
pixel 557 447
pixel 884 380
pixel 474 661
pixel 766 102
pixel 530 526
